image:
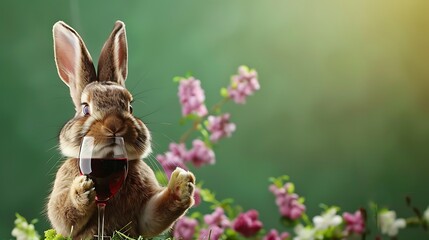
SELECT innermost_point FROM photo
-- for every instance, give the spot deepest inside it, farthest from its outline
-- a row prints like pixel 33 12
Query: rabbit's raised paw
pixel 182 185
pixel 82 191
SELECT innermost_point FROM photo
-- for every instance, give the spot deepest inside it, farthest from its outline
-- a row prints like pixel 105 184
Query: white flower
pixel 304 233
pixel 426 215
pixel 327 219
pixel 21 233
pixel 389 224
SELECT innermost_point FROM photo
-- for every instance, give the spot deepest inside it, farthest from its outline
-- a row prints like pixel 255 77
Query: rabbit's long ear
pixel 113 63
pixel 74 64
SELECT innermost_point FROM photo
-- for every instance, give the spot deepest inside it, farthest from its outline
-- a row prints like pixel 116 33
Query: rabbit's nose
pixel 113 126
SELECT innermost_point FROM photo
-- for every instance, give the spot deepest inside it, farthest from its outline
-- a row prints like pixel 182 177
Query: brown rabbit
pixel 103 109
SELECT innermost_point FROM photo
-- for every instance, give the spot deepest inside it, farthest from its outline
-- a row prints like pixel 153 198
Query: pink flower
pixel 243 85
pixel 288 203
pixel 217 222
pixel 185 228
pixel 247 223
pixel 170 162
pixel 355 222
pixel 192 97
pixel 212 233
pixel 197 197
pixel 217 218
pixel 219 127
pixel 179 149
pixel 173 158
pixel 274 235
pixel 200 154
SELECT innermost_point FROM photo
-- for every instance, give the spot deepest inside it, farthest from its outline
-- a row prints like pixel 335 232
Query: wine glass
pixel 105 162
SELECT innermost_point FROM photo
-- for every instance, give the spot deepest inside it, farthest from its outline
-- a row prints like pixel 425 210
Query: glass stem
pixel 101 208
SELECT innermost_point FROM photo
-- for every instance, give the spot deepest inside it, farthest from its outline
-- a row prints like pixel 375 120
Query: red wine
pixel 108 175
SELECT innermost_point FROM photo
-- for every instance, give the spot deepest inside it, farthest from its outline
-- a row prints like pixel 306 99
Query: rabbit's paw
pixel 82 192
pixel 182 185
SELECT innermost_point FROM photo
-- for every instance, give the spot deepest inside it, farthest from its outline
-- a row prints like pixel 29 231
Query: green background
pixel 343 108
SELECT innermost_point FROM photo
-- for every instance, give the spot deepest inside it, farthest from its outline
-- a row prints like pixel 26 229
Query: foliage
pixel 24 230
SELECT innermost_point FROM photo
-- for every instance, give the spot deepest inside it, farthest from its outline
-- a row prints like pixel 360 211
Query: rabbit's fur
pixel 103 109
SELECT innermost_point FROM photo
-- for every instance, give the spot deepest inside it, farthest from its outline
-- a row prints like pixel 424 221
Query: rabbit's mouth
pixel 134 133
pixel 110 147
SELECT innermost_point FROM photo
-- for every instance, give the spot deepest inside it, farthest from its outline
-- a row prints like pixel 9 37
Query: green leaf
pixel 287 222
pixel 200 184
pixel 272 179
pixel 285 177
pixel 291 188
pixel 324 206
pixel 188 74
pixel 227 201
pixel 208 196
pixel 230 234
pixel 306 219
pixel 177 79
pixel 161 177
pixel 50 234
pixel 226 205
pixel 279 181
pixel 196 215
pixel 206 137
pixel 224 93
pixel 206 123
pixel 19 218
pixel 373 206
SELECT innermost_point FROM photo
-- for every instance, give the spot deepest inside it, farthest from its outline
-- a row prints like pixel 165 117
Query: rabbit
pixel 103 109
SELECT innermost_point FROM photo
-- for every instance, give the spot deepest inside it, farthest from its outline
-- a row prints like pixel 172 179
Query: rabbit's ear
pixel 113 63
pixel 74 64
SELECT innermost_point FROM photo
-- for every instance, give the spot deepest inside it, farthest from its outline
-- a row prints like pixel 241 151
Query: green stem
pixel 188 133
pixel 413 221
pixel 218 105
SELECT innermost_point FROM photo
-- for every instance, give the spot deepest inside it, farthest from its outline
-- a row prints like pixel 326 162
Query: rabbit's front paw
pixel 82 192
pixel 182 185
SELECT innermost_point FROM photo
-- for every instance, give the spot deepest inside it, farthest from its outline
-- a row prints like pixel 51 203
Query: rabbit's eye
pixel 131 109
pixel 85 110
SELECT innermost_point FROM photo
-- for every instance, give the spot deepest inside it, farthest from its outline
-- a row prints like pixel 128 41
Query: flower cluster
pixel 24 230
pixel 327 225
pixel 248 223
pixel 389 224
pixel 220 127
pixel 216 125
pixel 228 221
pixel 200 154
pixel 327 220
pixel 192 97
pixel 355 222
pixel 273 234
pixel 332 225
pixel 288 202
pixel 244 84
pixel 185 228
pixel 217 224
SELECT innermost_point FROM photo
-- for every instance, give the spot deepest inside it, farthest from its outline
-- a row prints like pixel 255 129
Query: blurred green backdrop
pixel 343 109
